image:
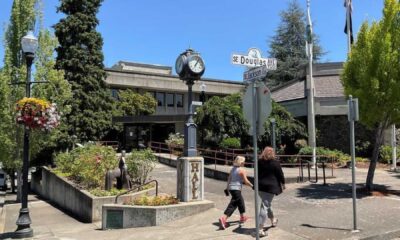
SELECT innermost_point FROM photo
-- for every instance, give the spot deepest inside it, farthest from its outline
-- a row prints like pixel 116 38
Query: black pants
pixel 236 202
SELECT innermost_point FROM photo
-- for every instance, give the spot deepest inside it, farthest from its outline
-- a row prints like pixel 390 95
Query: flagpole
pixel 311 111
pixel 348 26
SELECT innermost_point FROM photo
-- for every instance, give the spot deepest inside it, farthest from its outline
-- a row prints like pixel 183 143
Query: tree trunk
pixel 12 177
pixel 375 154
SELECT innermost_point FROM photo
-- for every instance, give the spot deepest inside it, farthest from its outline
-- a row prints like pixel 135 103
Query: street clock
pixel 189 65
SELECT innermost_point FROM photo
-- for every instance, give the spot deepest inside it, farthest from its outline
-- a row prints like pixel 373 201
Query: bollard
pixel 323 172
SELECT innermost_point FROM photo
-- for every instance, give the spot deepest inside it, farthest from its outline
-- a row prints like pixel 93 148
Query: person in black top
pixel 271 182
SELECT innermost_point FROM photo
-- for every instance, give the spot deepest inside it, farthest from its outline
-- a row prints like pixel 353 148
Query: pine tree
pixel 80 56
pixel 288 46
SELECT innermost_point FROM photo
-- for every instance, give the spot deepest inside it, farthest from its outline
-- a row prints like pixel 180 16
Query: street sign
pixel 264 107
pixel 244 60
pixel 255 74
pixel 353 109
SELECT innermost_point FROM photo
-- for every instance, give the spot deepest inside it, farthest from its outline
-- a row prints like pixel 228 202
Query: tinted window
pixel 1 175
pixel 170 100
pixel 160 99
pixel 179 100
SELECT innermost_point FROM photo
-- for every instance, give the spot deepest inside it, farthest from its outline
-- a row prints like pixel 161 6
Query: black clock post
pixel 190 67
pixel 190 168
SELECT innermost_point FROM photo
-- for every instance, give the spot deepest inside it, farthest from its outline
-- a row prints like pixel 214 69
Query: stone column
pixel 190 179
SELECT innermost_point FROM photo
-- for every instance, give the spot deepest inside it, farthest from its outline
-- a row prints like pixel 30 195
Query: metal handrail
pixel 130 190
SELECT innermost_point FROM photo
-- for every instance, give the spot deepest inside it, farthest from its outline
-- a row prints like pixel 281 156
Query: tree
pixel 288 128
pixel 220 118
pixel 131 103
pixel 57 90
pixel 288 46
pixel 22 19
pixel 80 56
pixel 371 74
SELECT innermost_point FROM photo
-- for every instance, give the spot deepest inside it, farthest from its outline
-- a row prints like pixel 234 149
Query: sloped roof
pixel 327 84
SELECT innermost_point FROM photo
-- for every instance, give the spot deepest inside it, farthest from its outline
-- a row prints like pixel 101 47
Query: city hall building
pixel 171 94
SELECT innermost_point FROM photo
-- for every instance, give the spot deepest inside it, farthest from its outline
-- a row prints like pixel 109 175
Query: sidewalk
pixel 305 211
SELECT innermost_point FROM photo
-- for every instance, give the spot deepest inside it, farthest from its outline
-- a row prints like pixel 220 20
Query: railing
pixel 135 188
pixel 227 156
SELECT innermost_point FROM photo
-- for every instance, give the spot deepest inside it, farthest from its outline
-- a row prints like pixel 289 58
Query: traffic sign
pixel 264 107
pixel 248 61
pixel 255 74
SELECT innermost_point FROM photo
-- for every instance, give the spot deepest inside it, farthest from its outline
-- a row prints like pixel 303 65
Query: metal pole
pixel 394 148
pixel 353 162
pixel 24 221
pixel 310 98
pixel 348 26
pixel 273 137
pixel 255 158
pixel 190 127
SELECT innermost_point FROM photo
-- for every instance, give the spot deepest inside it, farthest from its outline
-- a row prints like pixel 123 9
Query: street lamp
pixel 273 122
pixel 29 45
pixel 203 88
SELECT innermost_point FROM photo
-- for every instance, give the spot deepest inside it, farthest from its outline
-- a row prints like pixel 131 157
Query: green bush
pixel 155 200
pixel 336 154
pixel 140 164
pixel 88 165
pixel 175 139
pixel 103 193
pixel 385 154
pixel 230 143
pixel 300 143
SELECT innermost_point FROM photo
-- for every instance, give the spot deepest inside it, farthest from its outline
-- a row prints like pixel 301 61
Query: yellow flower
pixel 41 103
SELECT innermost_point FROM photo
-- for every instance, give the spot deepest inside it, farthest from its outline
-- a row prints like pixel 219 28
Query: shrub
pixel 385 154
pixel 175 139
pixel 155 201
pixel 300 143
pixel 140 164
pixel 336 154
pixel 103 193
pixel 230 143
pixel 88 165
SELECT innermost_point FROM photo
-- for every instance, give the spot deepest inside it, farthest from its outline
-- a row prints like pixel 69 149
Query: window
pixel 179 100
pixel 170 100
pixel 160 99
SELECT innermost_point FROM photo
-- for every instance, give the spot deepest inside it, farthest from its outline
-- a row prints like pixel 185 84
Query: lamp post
pixel 203 88
pixel 29 45
pixel 273 141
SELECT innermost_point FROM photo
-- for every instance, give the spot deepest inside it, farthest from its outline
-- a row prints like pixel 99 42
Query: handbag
pixel 226 192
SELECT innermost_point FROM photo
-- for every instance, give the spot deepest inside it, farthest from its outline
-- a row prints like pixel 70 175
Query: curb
pixel 384 236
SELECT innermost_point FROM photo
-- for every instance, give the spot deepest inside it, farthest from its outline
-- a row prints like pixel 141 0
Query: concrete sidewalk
pixel 305 211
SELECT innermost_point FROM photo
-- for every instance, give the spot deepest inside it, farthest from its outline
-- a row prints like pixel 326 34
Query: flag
pixel 309 32
pixel 349 10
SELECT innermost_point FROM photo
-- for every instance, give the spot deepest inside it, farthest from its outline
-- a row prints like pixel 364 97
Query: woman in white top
pixel 236 179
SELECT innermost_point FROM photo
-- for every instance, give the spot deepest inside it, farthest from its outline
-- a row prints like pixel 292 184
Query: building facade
pixel 171 94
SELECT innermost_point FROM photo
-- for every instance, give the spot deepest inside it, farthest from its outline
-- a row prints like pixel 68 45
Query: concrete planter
pixel 79 203
pixel 128 216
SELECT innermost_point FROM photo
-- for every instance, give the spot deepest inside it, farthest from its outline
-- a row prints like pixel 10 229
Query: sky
pixel 157 31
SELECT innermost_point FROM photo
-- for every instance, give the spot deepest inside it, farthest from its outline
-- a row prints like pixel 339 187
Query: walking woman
pixel 236 179
pixel 271 182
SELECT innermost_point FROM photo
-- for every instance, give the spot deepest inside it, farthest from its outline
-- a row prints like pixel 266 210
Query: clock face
pixel 196 64
pixel 179 64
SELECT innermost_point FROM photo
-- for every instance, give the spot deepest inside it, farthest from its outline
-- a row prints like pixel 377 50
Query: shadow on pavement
pixel 312 226
pixel 7 235
pixel 342 190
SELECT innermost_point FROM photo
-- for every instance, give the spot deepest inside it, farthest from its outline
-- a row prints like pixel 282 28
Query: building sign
pixel 194 179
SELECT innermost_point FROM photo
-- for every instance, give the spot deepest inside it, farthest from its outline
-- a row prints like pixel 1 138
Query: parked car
pixel 3 182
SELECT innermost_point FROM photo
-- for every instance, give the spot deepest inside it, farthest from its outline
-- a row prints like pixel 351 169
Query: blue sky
pixel 156 31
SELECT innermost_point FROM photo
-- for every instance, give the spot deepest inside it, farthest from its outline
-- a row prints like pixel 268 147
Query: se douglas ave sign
pixel 248 61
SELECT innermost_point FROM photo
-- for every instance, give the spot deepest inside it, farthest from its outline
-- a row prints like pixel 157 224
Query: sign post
pixel 352 117
pixel 258 99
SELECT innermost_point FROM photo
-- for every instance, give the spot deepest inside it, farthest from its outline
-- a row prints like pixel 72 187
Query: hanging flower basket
pixel 37 113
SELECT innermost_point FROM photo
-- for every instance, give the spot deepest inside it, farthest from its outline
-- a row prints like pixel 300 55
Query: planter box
pixel 79 203
pixel 127 216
